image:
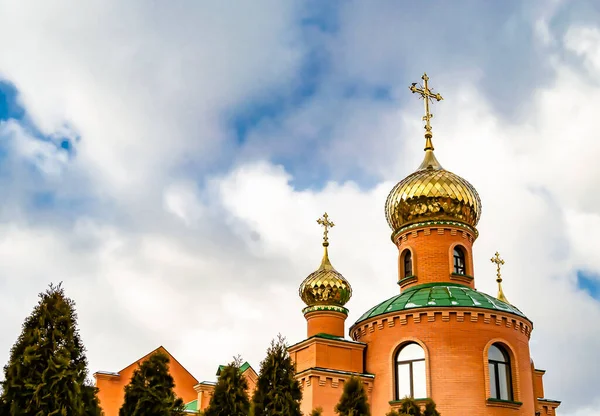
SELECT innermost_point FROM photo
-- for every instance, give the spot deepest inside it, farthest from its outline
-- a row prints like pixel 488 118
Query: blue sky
pixel 180 155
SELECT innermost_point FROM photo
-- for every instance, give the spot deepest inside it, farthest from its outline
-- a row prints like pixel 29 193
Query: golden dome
pixel 432 194
pixel 325 286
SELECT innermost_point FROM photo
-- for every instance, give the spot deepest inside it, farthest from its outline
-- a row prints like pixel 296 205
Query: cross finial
pixel 428 95
pixel 499 263
pixel 324 221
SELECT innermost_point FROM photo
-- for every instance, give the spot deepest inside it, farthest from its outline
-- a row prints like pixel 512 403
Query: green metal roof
pixel 436 295
pixel 243 367
pixel 192 406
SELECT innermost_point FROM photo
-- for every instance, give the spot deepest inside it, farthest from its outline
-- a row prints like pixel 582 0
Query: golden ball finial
pixel 325 286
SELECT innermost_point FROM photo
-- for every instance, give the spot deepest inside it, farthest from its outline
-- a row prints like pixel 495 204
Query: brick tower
pixel 440 338
pixel 325 359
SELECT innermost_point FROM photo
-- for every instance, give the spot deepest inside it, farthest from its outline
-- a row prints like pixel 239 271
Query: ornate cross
pixel 499 262
pixel 324 221
pixel 428 95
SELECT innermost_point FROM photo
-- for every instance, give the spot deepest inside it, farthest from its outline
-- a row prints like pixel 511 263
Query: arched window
pixel 459 260
pixel 500 377
pixel 410 372
pixel 407 261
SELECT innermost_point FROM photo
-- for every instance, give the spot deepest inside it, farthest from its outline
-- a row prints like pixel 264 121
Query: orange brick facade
pixel 111 386
pixel 455 338
pixel 455 341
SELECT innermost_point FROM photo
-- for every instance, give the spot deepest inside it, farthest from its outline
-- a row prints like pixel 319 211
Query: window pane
pixel 493 388
pixel 403 381
pixel 503 377
pixel 495 354
pixel 411 352
pixel 419 380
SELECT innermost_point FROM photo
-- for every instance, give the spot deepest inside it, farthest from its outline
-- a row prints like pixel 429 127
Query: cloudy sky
pixel 167 162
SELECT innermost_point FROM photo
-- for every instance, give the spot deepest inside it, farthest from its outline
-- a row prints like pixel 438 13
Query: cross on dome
pixel 499 262
pixel 324 221
pixel 428 95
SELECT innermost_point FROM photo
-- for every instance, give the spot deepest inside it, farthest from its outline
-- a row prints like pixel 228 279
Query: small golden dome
pixel 325 286
pixel 432 194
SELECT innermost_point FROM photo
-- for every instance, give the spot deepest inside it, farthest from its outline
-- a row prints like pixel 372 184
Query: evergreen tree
pixel 409 407
pixel 430 409
pixel 46 374
pixel 277 390
pixel 317 412
pixel 230 397
pixel 354 400
pixel 150 391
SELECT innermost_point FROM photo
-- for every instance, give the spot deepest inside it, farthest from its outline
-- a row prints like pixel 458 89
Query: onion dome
pixel 431 193
pixel 325 286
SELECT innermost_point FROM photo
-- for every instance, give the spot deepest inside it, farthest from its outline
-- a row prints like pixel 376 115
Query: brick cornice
pixel 350 344
pixel 427 226
pixel 334 378
pixel 425 315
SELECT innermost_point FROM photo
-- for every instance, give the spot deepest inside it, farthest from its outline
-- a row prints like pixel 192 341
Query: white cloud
pixel 209 266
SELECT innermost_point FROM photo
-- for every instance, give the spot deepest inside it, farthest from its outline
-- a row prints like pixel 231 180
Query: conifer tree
pixel 230 397
pixel 150 391
pixel 409 407
pixel 317 412
pixel 354 400
pixel 47 370
pixel 277 390
pixel 430 409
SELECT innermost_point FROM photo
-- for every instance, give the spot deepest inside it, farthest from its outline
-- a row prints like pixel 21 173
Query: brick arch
pixel 514 369
pixel 392 359
pixel 413 256
pixel 468 257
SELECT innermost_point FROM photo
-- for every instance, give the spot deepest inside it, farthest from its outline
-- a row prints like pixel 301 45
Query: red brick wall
pixel 432 253
pixel 456 346
pixel 112 388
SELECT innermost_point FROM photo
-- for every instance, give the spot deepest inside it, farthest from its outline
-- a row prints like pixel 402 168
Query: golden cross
pixel 324 221
pixel 428 95
pixel 499 262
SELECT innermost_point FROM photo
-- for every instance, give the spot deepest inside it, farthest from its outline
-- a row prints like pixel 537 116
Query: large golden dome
pixel 325 287
pixel 432 194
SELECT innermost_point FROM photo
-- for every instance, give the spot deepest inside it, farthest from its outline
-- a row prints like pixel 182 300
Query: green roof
pixel 436 295
pixel 243 367
pixel 192 406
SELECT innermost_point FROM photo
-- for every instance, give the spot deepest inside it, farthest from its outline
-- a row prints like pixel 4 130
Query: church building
pixel 439 337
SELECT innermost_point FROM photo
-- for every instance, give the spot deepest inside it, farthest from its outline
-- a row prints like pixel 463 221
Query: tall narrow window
pixel 500 377
pixel 459 260
pixel 410 372
pixel 407 258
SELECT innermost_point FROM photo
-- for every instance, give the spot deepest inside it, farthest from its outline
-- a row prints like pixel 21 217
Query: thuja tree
pixel 277 390
pixel 409 407
pixel 47 370
pixel 150 391
pixel 230 397
pixel 354 401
